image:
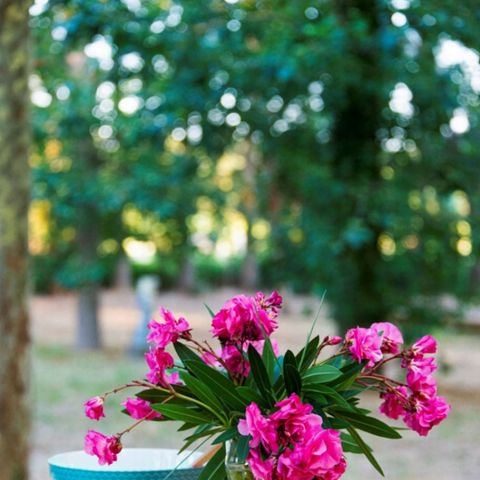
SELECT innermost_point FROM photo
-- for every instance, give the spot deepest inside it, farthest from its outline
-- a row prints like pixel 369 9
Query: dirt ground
pixel 63 378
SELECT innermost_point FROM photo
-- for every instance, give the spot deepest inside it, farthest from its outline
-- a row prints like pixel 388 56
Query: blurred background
pixel 185 150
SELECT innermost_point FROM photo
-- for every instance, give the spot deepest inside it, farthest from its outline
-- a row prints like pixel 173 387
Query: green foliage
pixel 373 197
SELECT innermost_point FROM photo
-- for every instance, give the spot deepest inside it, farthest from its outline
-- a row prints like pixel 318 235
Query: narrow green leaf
pixel 218 383
pixel 186 426
pixel 200 390
pixel 311 390
pixel 215 468
pixel 259 373
pixel 197 436
pixel 321 374
pixel 250 395
pixel 210 311
pixel 315 320
pixel 307 354
pixel 269 358
pixel 367 424
pixel 183 414
pixel 350 445
pixel 185 353
pixel 366 450
pixel 226 435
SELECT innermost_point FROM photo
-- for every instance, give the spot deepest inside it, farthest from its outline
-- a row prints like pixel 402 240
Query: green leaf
pixel 185 353
pixel 197 436
pixel 210 311
pixel 242 448
pixel 269 358
pixel 183 414
pixel 250 395
pixel 215 468
pixel 311 390
pixel 366 450
pixel 259 374
pixel 152 395
pixel 367 424
pixel 307 354
pixel 226 435
pixel 200 390
pixel 350 445
pixel 293 381
pixel 186 426
pixel 321 374
pixel 218 383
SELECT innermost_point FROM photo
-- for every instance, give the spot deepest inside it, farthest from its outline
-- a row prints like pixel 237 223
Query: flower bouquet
pixel 269 416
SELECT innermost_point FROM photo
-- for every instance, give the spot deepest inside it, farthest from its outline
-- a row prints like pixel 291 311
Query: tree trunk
pixel 88 332
pixel 358 298
pixel 14 197
pixel 249 275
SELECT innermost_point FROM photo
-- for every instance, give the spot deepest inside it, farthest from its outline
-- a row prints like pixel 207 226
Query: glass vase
pixel 236 469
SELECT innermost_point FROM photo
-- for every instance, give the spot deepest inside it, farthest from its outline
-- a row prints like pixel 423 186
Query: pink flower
pixel 103 447
pixel 292 418
pixel 261 429
pixel 271 305
pixel 94 408
pixel 158 360
pixel 391 337
pixel 393 405
pixel 235 361
pixel 170 331
pixel 138 408
pixel 318 455
pixel 241 320
pixel 423 386
pixel 425 414
pixel 333 340
pixel 261 469
pixel 364 344
pixel 426 344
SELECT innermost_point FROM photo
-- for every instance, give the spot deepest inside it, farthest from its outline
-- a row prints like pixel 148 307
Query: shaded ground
pixel 63 379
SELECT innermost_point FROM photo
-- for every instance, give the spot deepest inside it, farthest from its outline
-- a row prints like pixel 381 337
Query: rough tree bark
pixel 14 197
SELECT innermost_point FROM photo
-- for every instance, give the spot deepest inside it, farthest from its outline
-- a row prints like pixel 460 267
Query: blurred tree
pixel 354 131
pixel 14 196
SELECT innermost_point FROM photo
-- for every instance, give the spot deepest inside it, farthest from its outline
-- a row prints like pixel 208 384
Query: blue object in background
pixel 132 464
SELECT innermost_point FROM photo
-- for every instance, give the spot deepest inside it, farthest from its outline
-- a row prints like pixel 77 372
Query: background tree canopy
pixel 307 144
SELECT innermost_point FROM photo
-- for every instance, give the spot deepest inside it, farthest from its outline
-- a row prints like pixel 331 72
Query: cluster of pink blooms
pixel 416 402
pixel 243 321
pixel 162 335
pixel 291 443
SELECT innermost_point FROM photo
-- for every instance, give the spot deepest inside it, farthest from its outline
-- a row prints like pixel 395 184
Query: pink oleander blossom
pixel 391 337
pixel 261 469
pixel 168 332
pixel 423 386
pixel 394 402
pixel 94 408
pixel 426 344
pixel 317 456
pixel 293 418
pixel 104 448
pixel 158 360
pixel 364 344
pixel 240 320
pixel 261 429
pixel 271 304
pixel 138 408
pixel 335 340
pixel 235 361
pixel 425 414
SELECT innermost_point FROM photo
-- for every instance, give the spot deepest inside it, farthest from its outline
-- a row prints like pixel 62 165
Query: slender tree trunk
pixel 88 237
pixel 357 163
pixel 14 197
pixel 249 275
